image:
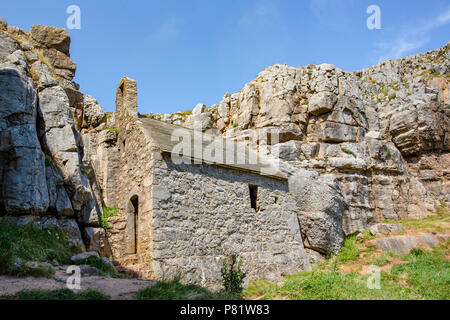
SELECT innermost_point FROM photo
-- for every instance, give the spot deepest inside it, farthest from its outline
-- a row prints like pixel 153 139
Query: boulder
pixel 199 109
pixel 97 241
pixel 321 103
pixel 289 151
pixel 385 229
pixel 51 37
pixel 84 256
pixel 7 45
pixel 322 208
pixel 404 244
pixel 93 113
pixel 44 75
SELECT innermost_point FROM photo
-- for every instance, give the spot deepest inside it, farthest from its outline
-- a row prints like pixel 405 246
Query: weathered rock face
pixel 404 244
pixel 381 133
pixel 322 207
pixel 358 147
pixel 41 168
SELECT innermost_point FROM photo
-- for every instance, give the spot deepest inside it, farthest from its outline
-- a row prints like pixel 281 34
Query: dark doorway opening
pixel 254 197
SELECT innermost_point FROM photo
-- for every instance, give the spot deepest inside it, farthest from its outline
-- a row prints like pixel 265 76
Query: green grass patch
pixel 348 151
pixel 426 275
pixel 48 160
pixel 113 130
pixel 350 251
pixel 439 223
pixel 104 268
pixel 320 285
pixel 61 294
pixel 31 244
pixel 388 152
pixel 108 212
pixel 175 290
pixel 184 113
pixel 427 272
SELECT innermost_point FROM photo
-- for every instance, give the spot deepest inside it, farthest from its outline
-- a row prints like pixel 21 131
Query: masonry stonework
pixel 202 213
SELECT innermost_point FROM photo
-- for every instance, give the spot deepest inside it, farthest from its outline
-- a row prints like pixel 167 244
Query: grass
pixel 425 276
pixel 184 113
pixel 61 294
pixel 388 152
pixel 48 160
pixel 31 245
pixel 104 268
pixel 348 151
pixel 439 223
pixel 114 130
pixel 419 275
pixel 175 290
pixel 108 212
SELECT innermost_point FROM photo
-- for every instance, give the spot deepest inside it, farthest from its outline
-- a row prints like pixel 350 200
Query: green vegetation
pixel 104 268
pixel 30 244
pixel 174 290
pixel 113 130
pixel 439 223
pixel 86 171
pixel 233 276
pixel 48 160
pixel 108 212
pixel 423 275
pixel 184 113
pixel 392 97
pixel 235 124
pixel 61 294
pixel 348 151
pixel 442 202
pixel 388 152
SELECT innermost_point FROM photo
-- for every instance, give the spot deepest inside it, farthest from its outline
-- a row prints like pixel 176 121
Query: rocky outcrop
pixel 358 147
pixel 322 205
pixel 381 133
pixel 41 151
pixel 404 244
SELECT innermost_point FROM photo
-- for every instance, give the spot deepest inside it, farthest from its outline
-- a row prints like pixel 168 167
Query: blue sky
pixel 185 52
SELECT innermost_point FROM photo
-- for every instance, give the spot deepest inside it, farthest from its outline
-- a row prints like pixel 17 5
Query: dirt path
pixel 117 289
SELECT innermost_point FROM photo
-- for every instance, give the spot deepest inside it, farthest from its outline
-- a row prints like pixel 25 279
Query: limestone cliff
pixel 372 144
pixel 359 147
pixel 43 177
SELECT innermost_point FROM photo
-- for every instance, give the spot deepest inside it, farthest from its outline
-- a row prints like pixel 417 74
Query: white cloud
pixel 168 29
pixel 411 38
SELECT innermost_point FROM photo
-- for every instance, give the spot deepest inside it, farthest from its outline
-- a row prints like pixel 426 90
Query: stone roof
pixel 168 137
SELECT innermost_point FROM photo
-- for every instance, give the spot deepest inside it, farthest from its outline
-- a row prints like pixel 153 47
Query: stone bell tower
pixel 126 97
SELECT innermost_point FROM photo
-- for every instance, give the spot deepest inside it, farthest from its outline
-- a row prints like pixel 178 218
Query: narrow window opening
pixel 135 203
pixel 254 197
pixel 123 145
